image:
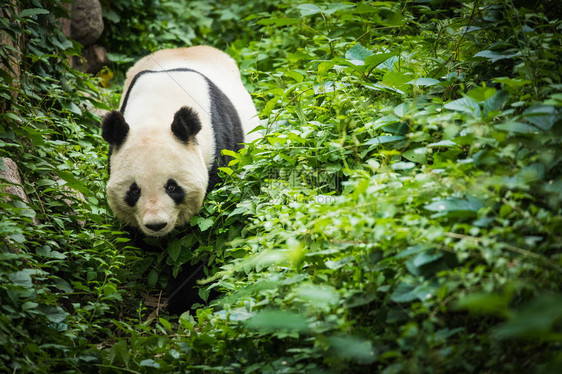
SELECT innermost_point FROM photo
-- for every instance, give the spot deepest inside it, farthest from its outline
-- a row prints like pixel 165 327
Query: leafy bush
pixel 400 214
pixel 62 263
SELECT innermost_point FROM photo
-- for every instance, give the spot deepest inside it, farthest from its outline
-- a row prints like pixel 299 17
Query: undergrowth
pixel 401 212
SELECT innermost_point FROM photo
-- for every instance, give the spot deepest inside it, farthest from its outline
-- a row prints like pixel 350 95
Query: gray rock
pixel 11 63
pixel 96 58
pixel 9 172
pixel 65 22
pixel 87 21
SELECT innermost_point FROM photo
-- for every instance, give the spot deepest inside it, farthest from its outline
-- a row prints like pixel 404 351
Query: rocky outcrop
pixel 86 21
pixel 85 26
pixel 11 62
pixel 10 174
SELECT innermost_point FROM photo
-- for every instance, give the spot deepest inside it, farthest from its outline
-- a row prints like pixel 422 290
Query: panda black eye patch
pixel 175 191
pixel 132 195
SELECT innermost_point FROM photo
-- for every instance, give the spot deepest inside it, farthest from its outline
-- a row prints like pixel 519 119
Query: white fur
pixel 216 65
pixel 157 97
pixel 151 154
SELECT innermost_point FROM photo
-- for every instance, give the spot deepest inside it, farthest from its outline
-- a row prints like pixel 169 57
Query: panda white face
pixel 158 179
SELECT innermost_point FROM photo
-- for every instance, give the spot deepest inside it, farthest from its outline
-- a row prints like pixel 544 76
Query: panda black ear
pixel 186 124
pixel 114 129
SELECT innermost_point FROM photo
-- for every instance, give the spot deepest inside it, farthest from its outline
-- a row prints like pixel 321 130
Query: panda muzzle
pixel 156 226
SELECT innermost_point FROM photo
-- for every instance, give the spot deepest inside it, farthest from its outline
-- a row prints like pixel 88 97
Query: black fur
pixel 132 195
pixel 174 190
pixel 186 124
pixel 114 128
pixel 182 291
pixel 109 158
pixel 227 128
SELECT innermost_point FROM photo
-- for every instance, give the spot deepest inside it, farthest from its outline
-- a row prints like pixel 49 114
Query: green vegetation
pixel 402 214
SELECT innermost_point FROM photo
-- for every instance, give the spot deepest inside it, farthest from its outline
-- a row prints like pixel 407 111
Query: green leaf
pixel 512 82
pixel 308 9
pixel 174 249
pixel 455 207
pixel 385 139
pixel 372 61
pixel 228 152
pixel 481 93
pixel 466 105
pixel 29 305
pixel 153 277
pixel 384 87
pixel 418 155
pixel 295 75
pixel 18 237
pixel 165 323
pixel 353 348
pixel 54 314
pixel 119 353
pixel 120 58
pixel 496 102
pixel 402 165
pixel 317 295
pixel 204 223
pixel 384 121
pixel 403 293
pixel 531 173
pixel 111 15
pixel 424 82
pixel 542 116
pixel 49 253
pixel 32 12
pixel 517 127
pixel 485 303
pixel 363 8
pixel 397 79
pixel 495 56
pixel 226 170
pixel 442 143
pixel 412 250
pixel 335 7
pixel 426 257
pixel 150 363
pixel 274 320
pixel 406 293
pixel 22 277
pixel 402 109
pixel 389 64
pixel 358 54
pixel 284 21
pixel 73 182
pixel 398 128
pixel 63 45
pixel 73 108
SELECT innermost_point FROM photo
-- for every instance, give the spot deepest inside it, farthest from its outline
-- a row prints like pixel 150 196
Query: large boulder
pixel 87 21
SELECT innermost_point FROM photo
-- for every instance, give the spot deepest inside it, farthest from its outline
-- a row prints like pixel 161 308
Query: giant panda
pixel 179 109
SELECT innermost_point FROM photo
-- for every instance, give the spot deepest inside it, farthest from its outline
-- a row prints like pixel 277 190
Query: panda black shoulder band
pixel 144 72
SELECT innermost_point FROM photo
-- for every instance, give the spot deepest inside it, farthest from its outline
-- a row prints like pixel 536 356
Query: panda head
pixel 158 176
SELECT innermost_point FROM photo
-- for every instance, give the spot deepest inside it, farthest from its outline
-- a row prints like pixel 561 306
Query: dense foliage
pixel 402 212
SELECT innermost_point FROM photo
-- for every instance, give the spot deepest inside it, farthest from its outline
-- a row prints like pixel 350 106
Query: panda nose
pixel 156 226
